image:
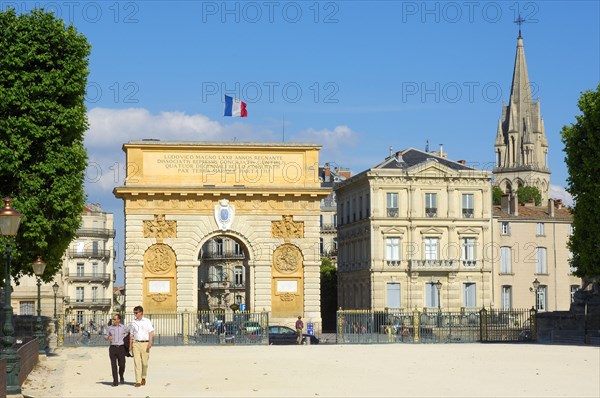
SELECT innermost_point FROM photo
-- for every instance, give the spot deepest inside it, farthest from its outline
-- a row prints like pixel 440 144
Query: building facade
pixel 88 267
pixel 217 226
pixel 411 234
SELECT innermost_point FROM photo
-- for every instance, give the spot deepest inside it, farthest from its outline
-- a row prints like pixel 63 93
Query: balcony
pixel 467 213
pixel 95 233
pixel 328 227
pixel 221 255
pixel 89 303
pixel 433 265
pixel 393 263
pixel 431 212
pixel 222 284
pixel 392 212
pixel 469 263
pixel 89 253
pixel 88 277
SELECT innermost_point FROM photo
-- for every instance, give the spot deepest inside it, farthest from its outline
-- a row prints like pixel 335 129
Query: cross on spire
pixel 520 21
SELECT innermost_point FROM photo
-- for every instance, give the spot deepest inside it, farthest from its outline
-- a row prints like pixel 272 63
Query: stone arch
pixel 159 279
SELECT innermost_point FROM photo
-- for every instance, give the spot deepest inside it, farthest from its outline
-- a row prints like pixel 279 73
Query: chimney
pixel 505 203
pixel 327 170
pixel 551 207
pixel 559 203
pixel 514 205
pixel 399 156
pixel 462 161
pixel 391 151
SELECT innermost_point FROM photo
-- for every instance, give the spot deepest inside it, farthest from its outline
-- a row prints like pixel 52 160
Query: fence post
pixel 61 329
pixel 416 325
pixel 339 336
pixel 483 333
pixel 533 321
pixel 186 326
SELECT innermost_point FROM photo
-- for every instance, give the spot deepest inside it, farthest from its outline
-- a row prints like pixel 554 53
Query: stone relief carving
pixel 160 228
pixel 287 228
pixel 159 297
pixel 287 259
pixel 159 258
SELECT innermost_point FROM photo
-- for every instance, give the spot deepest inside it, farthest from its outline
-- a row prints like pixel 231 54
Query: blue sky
pixel 354 76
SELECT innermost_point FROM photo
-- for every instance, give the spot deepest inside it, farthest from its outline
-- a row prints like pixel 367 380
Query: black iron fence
pixel 398 326
pixel 200 328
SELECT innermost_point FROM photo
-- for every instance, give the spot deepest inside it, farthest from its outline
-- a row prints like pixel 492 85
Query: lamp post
pixel 438 286
pixel 38 269
pixel 55 289
pixel 536 286
pixel 9 225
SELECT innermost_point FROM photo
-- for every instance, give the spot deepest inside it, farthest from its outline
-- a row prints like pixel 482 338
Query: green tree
pixel 497 196
pixel 528 193
pixel 328 294
pixel 582 146
pixel 43 76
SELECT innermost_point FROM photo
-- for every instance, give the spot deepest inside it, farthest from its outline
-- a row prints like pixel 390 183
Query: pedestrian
pixel 101 326
pixel 299 327
pixel 142 333
pixel 115 334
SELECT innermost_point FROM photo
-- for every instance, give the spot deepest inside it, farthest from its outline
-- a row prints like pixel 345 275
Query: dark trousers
pixel 117 354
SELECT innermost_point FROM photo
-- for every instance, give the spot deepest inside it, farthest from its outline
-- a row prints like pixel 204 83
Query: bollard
pixel 307 340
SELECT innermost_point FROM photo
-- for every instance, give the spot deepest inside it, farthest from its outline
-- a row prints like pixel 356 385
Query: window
pixel 392 249
pixel 95 248
pixel 540 229
pixel 505 228
pixel 341 213
pixel 218 246
pixel 431 248
pixel 321 220
pixel 335 221
pixel 321 247
pixel 431 295
pixel 469 295
pixel 347 212
pixel 540 267
pixel 431 205
pixel 467 205
pixel 542 298
pixel 80 317
pixel 360 208
pixel 215 273
pixel 368 205
pixel 95 268
pixel 574 288
pixel 392 204
pixel 94 293
pixel 334 245
pixel 353 209
pixel 239 275
pixel 79 294
pixel 505 261
pixel 468 252
pixel 506 297
pixel 237 249
pixel 393 295
pixel 26 307
pixel 80 247
pixel 80 269
pixel 239 299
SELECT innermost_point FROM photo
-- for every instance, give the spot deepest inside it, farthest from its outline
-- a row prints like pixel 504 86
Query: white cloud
pixel 333 141
pixel 558 192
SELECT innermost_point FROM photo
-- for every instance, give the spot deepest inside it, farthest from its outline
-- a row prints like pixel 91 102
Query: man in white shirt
pixel 142 333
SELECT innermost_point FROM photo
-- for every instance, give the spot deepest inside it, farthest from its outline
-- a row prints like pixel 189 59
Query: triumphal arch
pixel 222 226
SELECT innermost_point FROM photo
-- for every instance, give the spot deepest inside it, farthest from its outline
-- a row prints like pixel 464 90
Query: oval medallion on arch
pixel 287 259
pixel 159 279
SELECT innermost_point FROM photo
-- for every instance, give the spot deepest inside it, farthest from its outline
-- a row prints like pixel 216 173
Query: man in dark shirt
pixel 115 334
pixel 299 327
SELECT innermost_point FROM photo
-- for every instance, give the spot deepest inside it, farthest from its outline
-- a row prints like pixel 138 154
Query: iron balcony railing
pixel 87 302
pixel 208 255
pixel 90 253
pixel 431 212
pixel 222 284
pixel 392 212
pixel 88 277
pixel 328 227
pixel 95 232
pixel 467 213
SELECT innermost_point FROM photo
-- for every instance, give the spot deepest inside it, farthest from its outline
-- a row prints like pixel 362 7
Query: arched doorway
pixel 223 275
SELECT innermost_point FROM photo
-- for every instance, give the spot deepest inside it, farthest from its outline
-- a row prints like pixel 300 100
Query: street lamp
pixel 438 286
pixel 38 269
pixel 9 225
pixel 536 286
pixel 55 289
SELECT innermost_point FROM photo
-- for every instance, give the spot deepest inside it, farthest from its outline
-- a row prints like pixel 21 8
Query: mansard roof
pixel 412 157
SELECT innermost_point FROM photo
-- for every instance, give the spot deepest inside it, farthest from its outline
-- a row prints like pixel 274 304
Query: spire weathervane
pixel 520 21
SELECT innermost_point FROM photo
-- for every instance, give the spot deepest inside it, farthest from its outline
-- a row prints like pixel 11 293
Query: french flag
pixel 235 107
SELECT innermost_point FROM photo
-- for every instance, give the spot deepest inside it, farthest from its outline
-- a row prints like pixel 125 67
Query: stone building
pixel 413 220
pixel 209 225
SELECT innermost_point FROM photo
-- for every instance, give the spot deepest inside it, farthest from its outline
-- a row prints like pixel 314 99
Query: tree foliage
pixel 529 193
pixel 582 146
pixel 43 76
pixel 497 196
pixel 328 293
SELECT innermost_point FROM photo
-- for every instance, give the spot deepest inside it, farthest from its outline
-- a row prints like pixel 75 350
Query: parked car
pixel 250 327
pixel 286 335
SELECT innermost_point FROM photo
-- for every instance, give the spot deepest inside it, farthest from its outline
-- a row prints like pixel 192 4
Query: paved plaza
pixel 396 370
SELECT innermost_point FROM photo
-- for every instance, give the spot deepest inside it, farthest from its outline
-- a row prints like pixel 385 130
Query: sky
pixel 356 77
